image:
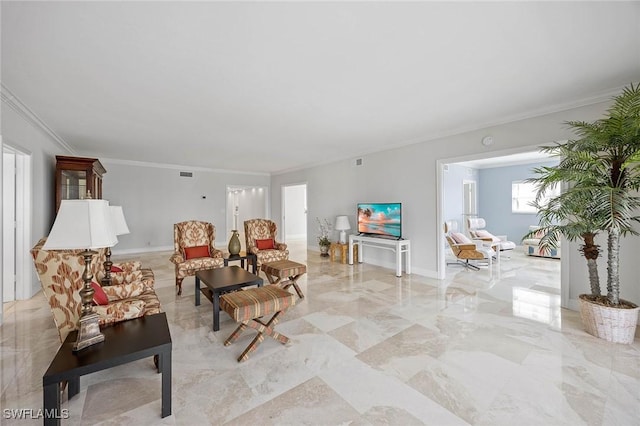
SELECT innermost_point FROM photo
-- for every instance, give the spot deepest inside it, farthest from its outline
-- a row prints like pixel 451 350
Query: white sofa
pixel 532 247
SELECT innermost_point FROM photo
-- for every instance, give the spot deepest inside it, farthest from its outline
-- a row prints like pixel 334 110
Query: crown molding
pixel 177 167
pixel 598 97
pixel 13 102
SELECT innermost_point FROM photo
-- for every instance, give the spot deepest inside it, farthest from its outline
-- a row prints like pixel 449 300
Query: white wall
pixel 154 197
pixel 409 175
pixel 19 131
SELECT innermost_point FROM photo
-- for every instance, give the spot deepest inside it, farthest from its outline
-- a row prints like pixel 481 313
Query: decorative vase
pixel 234 243
pixel 324 251
pixel 617 325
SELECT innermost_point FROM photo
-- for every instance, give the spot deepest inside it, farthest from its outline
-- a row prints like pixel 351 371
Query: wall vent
pixel 186 174
pixel 357 162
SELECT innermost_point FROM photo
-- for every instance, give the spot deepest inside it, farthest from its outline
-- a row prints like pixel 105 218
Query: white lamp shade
pixel 82 224
pixel 342 223
pixel 117 217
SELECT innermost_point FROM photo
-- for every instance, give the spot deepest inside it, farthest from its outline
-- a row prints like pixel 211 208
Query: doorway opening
pixel 494 175
pixel 16 224
pixel 245 202
pixel 294 216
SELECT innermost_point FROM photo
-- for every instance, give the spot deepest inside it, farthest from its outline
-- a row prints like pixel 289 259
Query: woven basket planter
pixel 615 325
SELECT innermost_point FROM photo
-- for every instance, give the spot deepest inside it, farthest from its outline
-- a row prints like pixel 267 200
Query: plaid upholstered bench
pixel 292 271
pixel 247 306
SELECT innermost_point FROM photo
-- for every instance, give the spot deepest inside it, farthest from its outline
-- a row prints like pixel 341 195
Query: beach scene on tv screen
pixel 379 218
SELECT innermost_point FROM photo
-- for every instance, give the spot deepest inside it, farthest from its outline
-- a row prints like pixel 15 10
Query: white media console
pixel 397 246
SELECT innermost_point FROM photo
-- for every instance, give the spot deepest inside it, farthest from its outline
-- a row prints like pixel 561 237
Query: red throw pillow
pixel 115 269
pixel 265 244
pixel 99 296
pixel 195 252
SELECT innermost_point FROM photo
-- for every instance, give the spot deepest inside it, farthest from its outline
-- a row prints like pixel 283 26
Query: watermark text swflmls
pixel 30 413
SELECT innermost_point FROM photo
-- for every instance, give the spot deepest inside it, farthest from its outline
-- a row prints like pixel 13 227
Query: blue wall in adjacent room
pixel 494 200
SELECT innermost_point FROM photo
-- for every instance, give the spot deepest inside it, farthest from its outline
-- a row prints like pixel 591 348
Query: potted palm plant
pixel 602 169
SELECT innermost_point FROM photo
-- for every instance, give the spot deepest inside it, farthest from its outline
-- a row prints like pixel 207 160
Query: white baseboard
pixel 424 272
pixel 573 304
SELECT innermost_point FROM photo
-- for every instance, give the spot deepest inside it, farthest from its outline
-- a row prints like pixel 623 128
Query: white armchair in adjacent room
pixel 468 252
pixel 476 227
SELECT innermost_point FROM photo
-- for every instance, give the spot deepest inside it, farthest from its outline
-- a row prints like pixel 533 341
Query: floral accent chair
pixel 193 243
pixel 121 272
pixel 60 274
pixel 260 238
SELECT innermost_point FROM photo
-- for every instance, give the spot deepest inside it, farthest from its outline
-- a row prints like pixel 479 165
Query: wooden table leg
pixel 197 291
pixel 293 282
pixel 165 364
pixel 273 279
pixel 73 387
pixel 216 311
pixel 263 329
pixel 236 333
pixel 51 401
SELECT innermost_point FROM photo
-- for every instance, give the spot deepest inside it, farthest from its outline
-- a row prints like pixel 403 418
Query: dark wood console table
pixel 124 342
pixel 251 259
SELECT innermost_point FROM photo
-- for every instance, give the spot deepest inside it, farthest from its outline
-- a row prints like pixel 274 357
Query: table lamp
pixel 120 227
pixel 342 225
pixel 83 224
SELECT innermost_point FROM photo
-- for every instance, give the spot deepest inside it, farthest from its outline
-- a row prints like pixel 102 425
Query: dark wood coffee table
pixel 124 342
pixel 222 280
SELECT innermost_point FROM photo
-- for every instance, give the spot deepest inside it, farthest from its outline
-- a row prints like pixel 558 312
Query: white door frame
pixel 8 225
pixel 283 207
pixel 23 271
pixel 24 262
pixel 1 238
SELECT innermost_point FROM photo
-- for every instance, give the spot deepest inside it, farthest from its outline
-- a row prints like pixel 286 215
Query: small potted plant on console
pixel 324 229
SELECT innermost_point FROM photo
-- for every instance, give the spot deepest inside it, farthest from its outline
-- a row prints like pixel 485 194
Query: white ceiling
pixel 270 87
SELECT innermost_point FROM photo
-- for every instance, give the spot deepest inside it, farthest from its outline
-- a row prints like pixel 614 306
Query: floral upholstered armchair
pixel 60 274
pixel 260 236
pixel 193 243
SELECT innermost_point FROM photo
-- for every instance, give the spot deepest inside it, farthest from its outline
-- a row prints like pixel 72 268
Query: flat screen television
pixel 380 219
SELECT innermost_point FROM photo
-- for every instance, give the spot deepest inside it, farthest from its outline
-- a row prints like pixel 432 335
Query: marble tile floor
pixel 491 347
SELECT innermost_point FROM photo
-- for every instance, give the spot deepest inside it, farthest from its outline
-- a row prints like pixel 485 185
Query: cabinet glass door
pixel 74 184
